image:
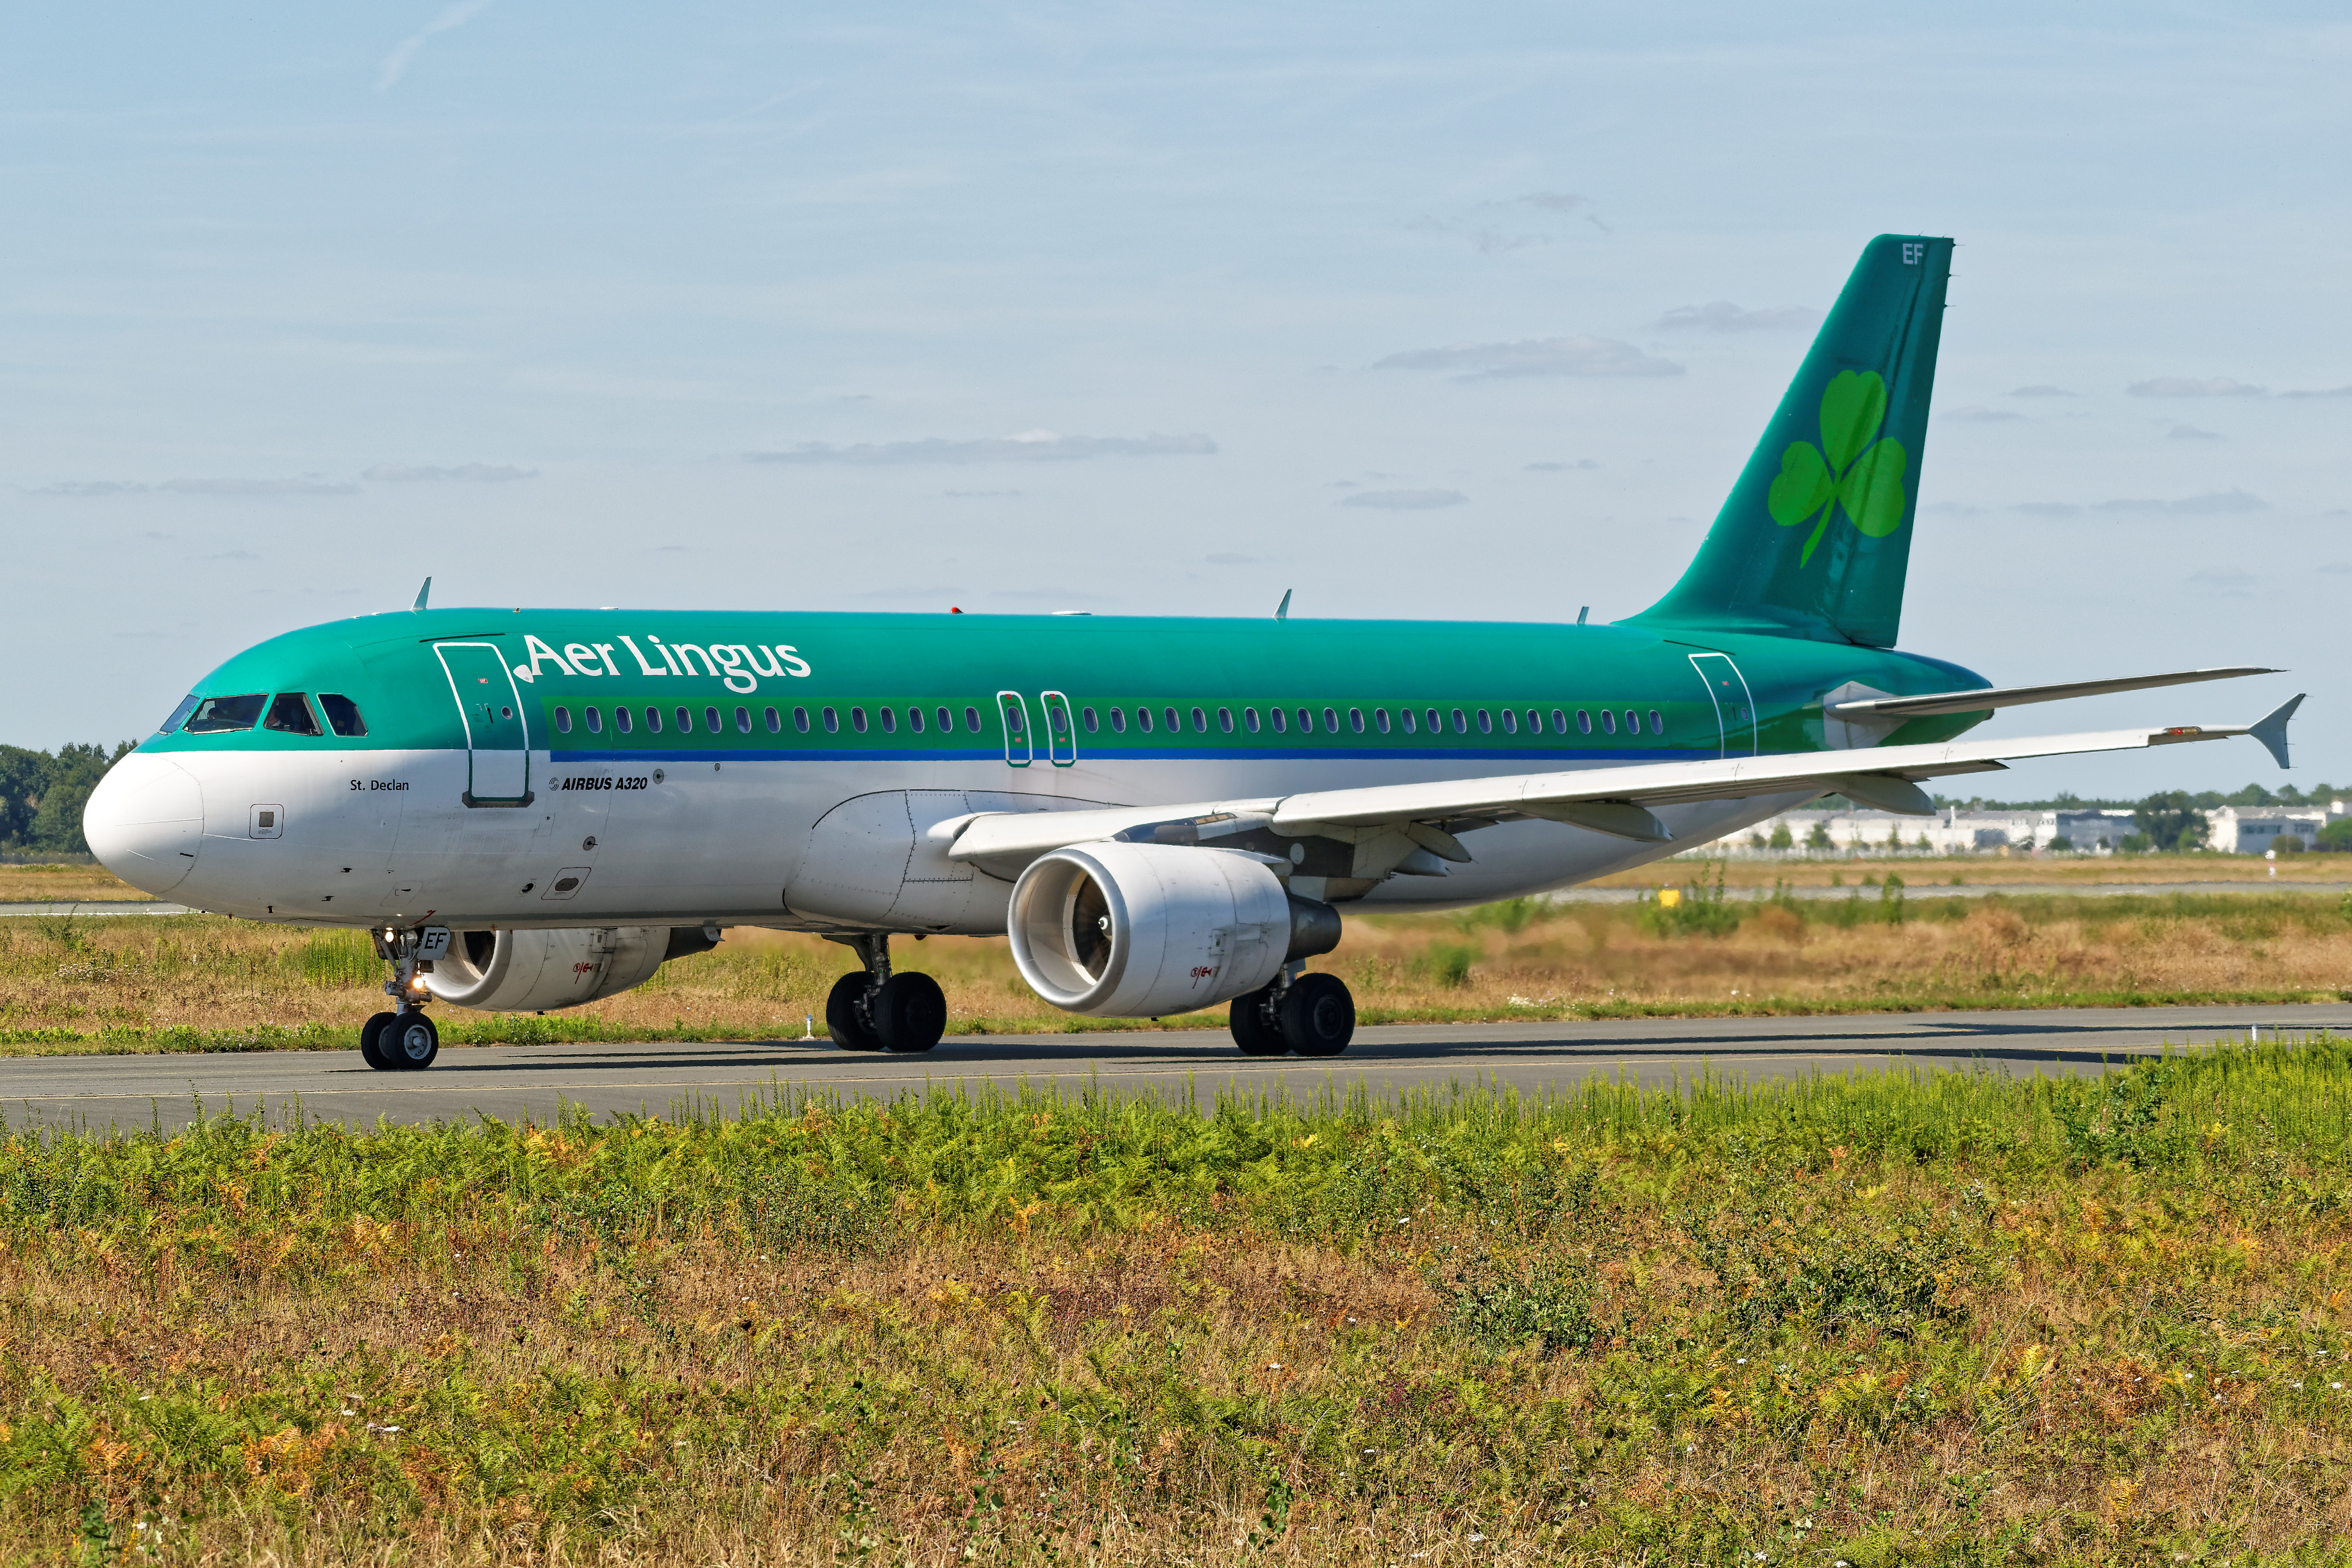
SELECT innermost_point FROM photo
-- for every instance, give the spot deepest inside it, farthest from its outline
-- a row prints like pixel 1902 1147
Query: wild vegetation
pixel 1884 1320
pixel 198 982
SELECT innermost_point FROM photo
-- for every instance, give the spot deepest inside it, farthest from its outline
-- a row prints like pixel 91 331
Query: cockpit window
pixel 343 715
pixel 216 715
pixel 179 715
pixel 290 715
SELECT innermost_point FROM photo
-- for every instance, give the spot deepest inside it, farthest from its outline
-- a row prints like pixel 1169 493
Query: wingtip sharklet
pixel 2270 728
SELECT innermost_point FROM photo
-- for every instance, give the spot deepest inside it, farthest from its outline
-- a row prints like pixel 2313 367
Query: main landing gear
pixel 1310 1014
pixel 403 1041
pixel 874 1009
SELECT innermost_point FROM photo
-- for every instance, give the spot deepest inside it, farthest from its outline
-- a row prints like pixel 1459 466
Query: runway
pixel 515 1083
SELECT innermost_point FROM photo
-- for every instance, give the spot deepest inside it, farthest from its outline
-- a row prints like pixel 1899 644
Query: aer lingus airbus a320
pixel 531 809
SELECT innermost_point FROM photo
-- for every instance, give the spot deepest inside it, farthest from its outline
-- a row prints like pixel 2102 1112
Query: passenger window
pixel 686 720
pixel 971 719
pixel 1436 722
pixel 217 715
pixel 1306 721
pixel 946 721
pixel 1086 716
pixel 1330 721
pixel 595 720
pixel 1199 722
pixel 1143 719
pixel 1406 714
pixel 653 721
pixel 1174 723
pixel 1118 721
pixel 1559 722
pixel 290 715
pixel 343 715
pixel 1057 719
pixel 742 721
pixel 1249 719
pixel 1608 721
pixel 1381 717
pixel 1657 724
pixel 710 720
pixel 1633 722
pixel 915 719
pixel 857 719
pixel 775 722
pixel 1510 722
pixel 1486 724
pixel 1461 725
pixel 179 715
pixel 1534 722
pixel 564 721
pixel 1225 719
pixel 1583 721
pixel 1281 723
pixel 620 720
pixel 1356 720
pixel 831 722
pixel 800 719
pixel 889 717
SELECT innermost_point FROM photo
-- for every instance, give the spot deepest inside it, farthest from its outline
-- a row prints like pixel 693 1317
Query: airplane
pixel 533 808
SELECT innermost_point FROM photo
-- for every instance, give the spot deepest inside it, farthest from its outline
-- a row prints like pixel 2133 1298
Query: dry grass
pixel 2000 868
pixel 199 982
pixel 66 884
pixel 1887 1321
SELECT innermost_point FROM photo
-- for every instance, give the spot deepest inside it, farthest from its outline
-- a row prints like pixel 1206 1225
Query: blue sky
pixel 303 304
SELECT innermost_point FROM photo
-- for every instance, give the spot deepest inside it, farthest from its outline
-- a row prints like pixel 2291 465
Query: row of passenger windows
pixel 1357 721
pixel 625 720
pixel 1411 721
pixel 289 713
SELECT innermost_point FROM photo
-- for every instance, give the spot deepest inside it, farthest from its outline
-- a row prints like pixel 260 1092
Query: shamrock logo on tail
pixel 1846 470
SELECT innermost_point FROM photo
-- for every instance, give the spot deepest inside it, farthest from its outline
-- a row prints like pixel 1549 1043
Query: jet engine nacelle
pixel 1120 930
pixel 537 971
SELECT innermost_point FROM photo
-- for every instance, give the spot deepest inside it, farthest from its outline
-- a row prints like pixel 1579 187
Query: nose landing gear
pixel 404 1040
pixel 878 1010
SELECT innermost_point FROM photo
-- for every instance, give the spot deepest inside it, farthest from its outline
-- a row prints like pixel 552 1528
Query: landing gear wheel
pixel 409 1041
pixel 910 1012
pixel 1319 1015
pixel 849 1032
pixel 371 1041
pixel 1253 1029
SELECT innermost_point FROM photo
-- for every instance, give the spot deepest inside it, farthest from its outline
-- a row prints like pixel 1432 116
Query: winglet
pixel 2271 730
pixel 1282 610
pixel 423 594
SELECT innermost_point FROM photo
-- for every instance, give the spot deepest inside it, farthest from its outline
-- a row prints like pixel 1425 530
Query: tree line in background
pixel 42 794
pixel 2202 799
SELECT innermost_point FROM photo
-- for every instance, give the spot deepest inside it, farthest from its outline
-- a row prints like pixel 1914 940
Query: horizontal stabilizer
pixel 1989 697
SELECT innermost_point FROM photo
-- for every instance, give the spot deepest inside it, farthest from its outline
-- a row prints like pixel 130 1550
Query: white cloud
pixel 2192 386
pixel 1582 355
pixel 1032 447
pixel 1406 500
pixel 308 484
pixel 480 473
pixel 1722 316
pixel 395 64
pixel 2326 392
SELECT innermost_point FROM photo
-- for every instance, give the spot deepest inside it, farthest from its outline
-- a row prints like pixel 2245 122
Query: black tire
pixel 1253 1031
pixel 409 1042
pixel 1319 1015
pixel 911 1013
pixel 371 1037
pixel 849 1032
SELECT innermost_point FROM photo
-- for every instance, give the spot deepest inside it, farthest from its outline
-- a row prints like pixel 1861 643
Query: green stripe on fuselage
pixel 386 663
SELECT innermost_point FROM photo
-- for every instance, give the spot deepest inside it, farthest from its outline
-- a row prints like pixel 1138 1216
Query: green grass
pixel 1886 1318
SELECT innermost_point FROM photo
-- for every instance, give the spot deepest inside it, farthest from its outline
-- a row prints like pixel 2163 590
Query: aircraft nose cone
pixel 145 820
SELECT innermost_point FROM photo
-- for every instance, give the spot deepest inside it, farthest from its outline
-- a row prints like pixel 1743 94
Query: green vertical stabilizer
pixel 1816 535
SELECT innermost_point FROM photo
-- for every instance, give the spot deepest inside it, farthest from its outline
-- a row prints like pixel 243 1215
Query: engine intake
pixel 1123 930
pixel 539 971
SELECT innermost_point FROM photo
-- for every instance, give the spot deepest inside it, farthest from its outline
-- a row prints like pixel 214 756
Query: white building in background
pixel 2256 829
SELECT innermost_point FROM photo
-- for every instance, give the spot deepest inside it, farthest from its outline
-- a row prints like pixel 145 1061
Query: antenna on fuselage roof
pixel 1583 610
pixel 1282 610
pixel 423 594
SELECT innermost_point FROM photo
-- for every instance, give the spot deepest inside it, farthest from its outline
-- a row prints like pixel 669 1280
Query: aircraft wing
pixel 1616 800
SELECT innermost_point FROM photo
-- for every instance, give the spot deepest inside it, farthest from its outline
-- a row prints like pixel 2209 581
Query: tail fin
pixel 1816 537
